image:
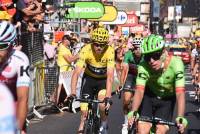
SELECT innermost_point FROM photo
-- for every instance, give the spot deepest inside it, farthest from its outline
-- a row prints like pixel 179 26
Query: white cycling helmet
pixel 137 42
pixel 7 33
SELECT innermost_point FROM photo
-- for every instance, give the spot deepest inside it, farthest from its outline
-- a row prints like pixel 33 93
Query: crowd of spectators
pixel 25 13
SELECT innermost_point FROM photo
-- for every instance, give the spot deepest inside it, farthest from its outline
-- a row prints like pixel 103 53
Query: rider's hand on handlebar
pixel 181 123
pixel 133 116
pixel 108 102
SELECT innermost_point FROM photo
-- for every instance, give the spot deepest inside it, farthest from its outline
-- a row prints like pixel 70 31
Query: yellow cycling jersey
pixel 96 64
pixel 62 63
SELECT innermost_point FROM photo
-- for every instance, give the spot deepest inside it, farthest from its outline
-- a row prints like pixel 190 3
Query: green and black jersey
pixel 164 83
pixel 131 60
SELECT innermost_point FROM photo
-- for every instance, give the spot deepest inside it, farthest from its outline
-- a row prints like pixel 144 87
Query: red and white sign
pixel 139 28
pixel 132 20
pixel 131 12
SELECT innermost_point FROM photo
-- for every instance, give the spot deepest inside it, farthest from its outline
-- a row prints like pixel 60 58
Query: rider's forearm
pixel 74 83
pixel 124 75
pixel 137 99
pixel 109 83
pixel 180 103
pixel 22 105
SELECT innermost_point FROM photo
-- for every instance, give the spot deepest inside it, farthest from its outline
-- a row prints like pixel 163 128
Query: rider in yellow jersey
pixel 97 61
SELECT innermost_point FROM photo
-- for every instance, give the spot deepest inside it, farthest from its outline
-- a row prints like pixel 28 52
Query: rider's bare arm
pixel 74 79
pixel 138 96
pixel 109 81
pixel 22 105
pixel 180 96
pixel 124 73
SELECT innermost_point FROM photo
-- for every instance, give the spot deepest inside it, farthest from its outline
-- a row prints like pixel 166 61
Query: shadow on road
pixel 193 131
pixel 193 102
pixel 196 114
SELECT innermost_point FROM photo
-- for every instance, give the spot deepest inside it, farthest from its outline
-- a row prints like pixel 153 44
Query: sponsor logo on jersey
pixel 24 70
pixel 179 75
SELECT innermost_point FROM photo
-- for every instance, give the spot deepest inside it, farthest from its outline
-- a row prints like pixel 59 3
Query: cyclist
pixel 196 71
pixel 14 66
pixel 7 111
pixel 195 60
pixel 131 59
pixel 159 83
pixel 97 61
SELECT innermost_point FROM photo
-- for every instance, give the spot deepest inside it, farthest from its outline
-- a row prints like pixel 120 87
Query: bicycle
pixel 154 120
pixel 92 122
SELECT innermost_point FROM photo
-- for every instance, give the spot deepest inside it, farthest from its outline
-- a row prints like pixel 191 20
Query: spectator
pixel 29 11
pixel 49 50
pixel 65 58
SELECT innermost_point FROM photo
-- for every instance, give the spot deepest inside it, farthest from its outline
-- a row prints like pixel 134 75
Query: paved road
pixel 67 123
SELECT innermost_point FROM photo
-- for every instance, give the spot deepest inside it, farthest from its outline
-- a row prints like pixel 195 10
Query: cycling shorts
pixel 164 108
pixel 130 83
pixel 91 87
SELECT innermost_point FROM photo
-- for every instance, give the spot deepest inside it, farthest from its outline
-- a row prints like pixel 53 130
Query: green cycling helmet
pixel 152 43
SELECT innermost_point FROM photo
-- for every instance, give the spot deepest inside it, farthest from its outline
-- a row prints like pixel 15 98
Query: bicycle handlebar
pixel 153 120
pixel 157 120
pixel 89 101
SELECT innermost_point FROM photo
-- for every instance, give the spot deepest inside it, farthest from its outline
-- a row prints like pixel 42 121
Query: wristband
pixel 133 114
pixel 184 120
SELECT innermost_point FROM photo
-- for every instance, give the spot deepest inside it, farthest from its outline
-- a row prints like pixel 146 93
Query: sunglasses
pixel 4 46
pixel 154 56
pixel 99 45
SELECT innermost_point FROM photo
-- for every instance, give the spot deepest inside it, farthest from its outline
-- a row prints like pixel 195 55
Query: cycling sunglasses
pixel 154 56
pixel 4 46
pixel 99 45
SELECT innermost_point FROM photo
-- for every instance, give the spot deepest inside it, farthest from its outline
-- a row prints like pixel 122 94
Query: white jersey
pixel 7 111
pixel 15 71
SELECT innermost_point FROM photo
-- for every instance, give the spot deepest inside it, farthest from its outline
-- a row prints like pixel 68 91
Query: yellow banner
pixel 110 14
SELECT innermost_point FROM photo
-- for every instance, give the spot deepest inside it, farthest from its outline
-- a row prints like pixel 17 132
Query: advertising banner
pixel 178 12
pixel 110 14
pixel 121 18
pixel 132 20
pixel 86 10
pixel 171 12
pixel 125 31
pixel 156 8
pixel 139 28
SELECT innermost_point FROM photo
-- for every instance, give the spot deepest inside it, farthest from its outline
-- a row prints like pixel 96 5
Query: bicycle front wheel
pixel 96 125
pixel 88 128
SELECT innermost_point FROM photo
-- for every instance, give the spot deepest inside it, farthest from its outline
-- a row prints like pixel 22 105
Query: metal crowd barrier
pixel 32 46
pixel 44 82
